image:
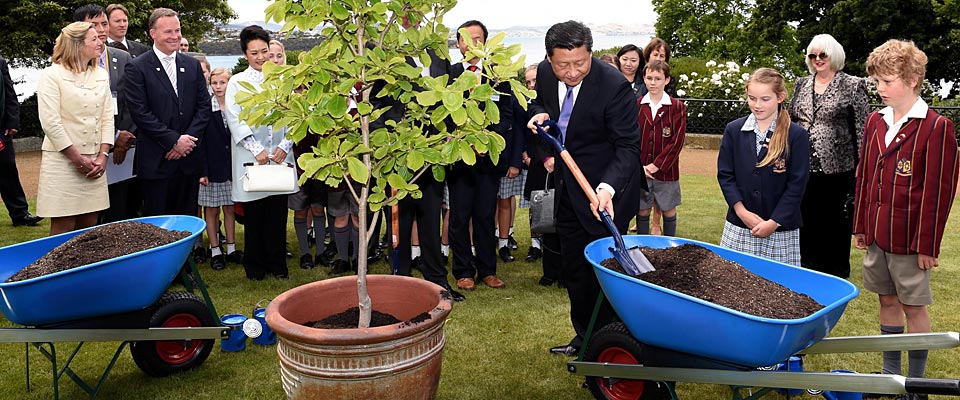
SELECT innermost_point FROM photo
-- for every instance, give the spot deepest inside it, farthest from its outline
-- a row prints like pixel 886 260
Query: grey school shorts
pixel 666 193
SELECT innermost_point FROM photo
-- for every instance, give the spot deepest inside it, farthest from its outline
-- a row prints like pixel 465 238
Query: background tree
pixel 723 30
pixel 31 26
pixel 365 43
pixel 862 25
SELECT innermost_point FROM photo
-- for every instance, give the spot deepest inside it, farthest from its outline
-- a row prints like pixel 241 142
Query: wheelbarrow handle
pixel 582 180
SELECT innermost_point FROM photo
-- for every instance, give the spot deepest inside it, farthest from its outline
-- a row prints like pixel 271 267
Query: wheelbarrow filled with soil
pixel 116 285
pixel 676 321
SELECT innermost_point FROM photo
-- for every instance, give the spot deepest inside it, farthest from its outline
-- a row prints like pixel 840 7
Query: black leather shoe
pixel 565 350
pixel 544 281
pixel 27 220
pixel 374 255
pixel 236 257
pixel 321 260
pixel 306 261
pixel 340 266
pixel 415 264
pixel 330 253
pixel 534 254
pixel 505 254
pixel 218 262
pixel 199 255
pixel 512 242
pixel 455 295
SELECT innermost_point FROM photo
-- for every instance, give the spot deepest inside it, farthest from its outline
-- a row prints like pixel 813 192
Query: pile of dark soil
pixel 696 271
pixel 348 320
pixel 98 244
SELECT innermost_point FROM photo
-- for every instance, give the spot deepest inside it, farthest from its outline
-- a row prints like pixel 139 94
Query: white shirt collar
pixel 918 110
pixel 562 92
pixel 161 56
pixel 664 101
pixel 467 65
pixel 751 124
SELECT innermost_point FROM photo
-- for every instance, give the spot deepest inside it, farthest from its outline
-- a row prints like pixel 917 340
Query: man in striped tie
pixel 167 95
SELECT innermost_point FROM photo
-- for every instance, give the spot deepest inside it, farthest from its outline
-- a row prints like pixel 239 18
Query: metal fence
pixel 711 116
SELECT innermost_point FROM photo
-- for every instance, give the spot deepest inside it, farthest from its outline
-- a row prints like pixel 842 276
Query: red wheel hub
pixel 179 351
pixel 615 388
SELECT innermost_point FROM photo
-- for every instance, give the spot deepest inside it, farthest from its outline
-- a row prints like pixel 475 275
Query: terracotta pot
pixel 400 361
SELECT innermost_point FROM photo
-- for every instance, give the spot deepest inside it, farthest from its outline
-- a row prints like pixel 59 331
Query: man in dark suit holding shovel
pixel 597 115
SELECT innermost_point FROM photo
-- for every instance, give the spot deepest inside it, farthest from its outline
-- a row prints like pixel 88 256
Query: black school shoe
pixel 236 257
pixel 306 261
pixel 340 267
pixel 512 242
pixel 218 262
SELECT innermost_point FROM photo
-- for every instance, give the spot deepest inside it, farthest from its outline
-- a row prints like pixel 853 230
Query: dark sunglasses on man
pixel 822 56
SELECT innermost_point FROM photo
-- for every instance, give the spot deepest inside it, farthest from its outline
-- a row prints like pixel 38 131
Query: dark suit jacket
pixel 215 149
pixel 905 190
pixel 773 191
pixel 134 48
pixel 162 116
pixel 504 128
pixel 117 61
pixel 438 67
pixel 10 111
pixel 603 137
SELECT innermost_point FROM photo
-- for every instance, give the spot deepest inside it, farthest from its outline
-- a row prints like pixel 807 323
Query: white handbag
pixel 269 177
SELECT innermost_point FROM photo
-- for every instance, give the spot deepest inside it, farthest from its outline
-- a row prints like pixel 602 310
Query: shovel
pixel 632 260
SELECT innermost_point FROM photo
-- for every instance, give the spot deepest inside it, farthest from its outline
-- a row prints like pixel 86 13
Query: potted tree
pixel 366 41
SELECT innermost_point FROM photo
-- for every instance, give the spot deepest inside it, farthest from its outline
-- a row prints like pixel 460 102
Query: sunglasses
pixel 822 56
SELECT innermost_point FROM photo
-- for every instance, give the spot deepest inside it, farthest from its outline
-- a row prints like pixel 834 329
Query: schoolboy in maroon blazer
pixel 906 182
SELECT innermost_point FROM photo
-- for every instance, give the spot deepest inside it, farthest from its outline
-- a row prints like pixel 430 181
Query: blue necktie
pixel 565 109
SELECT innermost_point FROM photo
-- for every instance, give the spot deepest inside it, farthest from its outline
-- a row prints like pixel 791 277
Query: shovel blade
pixel 632 260
pixel 640 260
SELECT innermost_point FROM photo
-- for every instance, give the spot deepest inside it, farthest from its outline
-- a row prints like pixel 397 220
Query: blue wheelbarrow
pixel 666 336
pixel 121 299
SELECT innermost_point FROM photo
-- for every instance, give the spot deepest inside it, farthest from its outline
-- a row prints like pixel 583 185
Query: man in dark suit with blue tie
pixel 597 114
pixel 168 98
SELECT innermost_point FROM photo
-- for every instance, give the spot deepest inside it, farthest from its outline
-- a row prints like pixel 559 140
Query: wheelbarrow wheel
pixel 614 344
pixel 163 358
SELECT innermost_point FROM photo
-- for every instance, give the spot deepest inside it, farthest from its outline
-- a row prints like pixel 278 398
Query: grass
pixel 496 339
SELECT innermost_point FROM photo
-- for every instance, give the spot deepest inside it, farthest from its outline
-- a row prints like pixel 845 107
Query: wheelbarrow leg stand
pixel 58 372
pixel 193 279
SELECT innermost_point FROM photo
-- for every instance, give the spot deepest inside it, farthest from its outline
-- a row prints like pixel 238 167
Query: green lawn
pixel 497 340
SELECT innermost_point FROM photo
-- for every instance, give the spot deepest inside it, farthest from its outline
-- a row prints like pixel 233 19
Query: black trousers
pixel 10 189
pixel 825 235
pixel 265 234
pixel 551 261
pixel 176 195
pixel 426 211
pixel 577 273
pixel 473 196
pixel 124 201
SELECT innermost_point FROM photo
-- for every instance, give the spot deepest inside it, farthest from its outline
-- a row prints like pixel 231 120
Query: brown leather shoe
pixel 466 284
pixel 494 282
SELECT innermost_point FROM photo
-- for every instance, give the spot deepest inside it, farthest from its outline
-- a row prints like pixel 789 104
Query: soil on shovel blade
pixel 348 320
pixel 696 271
pixel 98 244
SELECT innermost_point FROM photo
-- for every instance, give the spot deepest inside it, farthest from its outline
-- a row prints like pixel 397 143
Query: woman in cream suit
pixel 265 212
pixel 76 112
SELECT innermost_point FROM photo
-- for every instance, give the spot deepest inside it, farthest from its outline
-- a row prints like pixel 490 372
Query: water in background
pixel 25 79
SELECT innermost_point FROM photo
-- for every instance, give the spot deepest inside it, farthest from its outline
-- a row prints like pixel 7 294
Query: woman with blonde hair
pixel 76 113
pixel 832 106
pixel 762 169
pixel 277 53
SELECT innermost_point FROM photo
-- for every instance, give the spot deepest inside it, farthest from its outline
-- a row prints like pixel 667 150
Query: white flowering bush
pixel 717 81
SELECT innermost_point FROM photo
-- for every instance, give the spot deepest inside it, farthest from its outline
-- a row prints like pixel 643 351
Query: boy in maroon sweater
pixel 906 182
pixel 663 126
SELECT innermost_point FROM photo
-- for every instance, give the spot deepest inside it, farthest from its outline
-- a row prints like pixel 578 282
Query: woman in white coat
pixel 265 213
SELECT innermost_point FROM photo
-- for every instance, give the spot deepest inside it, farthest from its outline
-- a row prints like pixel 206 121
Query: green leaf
pixel 475 113
pixel 415 160
pixel 428 98
pixel 459 116
pixel 493 113
pixel 482 92
pixel 431 155
pixel 439 173
pixel 364 107
pixel 467 154
pixel 337 107
pixel 396 181
pixel 452 100
pixel 357 170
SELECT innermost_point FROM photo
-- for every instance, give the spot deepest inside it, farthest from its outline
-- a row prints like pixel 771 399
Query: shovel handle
pixel 568 161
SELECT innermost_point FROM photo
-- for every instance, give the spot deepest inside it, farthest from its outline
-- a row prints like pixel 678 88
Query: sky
pixel 499 14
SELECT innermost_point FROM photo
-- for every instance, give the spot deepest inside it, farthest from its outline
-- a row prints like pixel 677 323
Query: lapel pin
pixel 158 69
pixel 181 70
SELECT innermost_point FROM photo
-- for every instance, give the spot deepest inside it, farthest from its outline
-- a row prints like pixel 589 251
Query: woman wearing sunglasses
pixel 832 106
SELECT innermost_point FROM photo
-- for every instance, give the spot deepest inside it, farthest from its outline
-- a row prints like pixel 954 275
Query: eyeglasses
pixel 822 56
